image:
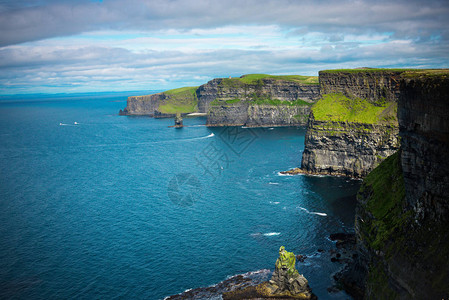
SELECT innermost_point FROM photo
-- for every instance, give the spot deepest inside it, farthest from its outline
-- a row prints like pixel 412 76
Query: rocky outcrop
pixel 402 213
pixel 285 283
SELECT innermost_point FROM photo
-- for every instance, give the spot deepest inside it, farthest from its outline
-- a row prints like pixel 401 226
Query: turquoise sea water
pixel 126 207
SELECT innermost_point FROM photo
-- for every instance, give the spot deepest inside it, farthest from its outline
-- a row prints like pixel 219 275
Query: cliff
pixel 258 100
pixel 284 88
pixel 166 104
pixel 369 84
pixel 257 113
pixel 402 213
pixel 251 100
pixel 354 126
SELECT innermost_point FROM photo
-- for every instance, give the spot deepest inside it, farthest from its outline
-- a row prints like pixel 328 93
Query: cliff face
pixel 354 127
pixel 235 88
pixel 257 102
pixel 403 207
pixel 246 113
pixel 166 104
pixel 143 105
pixel 365 84
pixel 347 148
pixel 251 100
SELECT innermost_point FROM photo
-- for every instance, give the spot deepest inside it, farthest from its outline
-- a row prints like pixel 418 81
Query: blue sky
pixel 49 46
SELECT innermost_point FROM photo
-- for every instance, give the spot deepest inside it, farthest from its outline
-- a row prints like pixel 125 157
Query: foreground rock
pixel 285 283
pixel 236 282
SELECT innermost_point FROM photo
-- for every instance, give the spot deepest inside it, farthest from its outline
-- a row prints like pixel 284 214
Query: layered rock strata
pixel 246 113
pixel 226 88
pixel 354 127
pixel 346 148
pixel 143 105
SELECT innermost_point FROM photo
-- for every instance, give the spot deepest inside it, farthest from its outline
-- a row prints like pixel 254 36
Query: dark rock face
pixel 143 105
pixel 344 148
pixel 235 114
pixel 245 113
pixel 363 84
pixel 424 129
pixel 402 214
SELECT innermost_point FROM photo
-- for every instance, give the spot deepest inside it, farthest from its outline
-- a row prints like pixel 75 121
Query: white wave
pixel 200 138
pixel 63 124
pixel 271 128
pixel 280 174
pixel 275 202
pixel 271 233
pixel 313 212
pixel 144 143
pixel 273 182
pixel 319 214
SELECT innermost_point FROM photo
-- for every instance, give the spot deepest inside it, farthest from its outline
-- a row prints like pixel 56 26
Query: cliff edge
pixel 354 126
pixel 402 213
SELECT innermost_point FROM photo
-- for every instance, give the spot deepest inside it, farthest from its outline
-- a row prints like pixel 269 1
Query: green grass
pixel 387 183
pixel 337 107
pixel 257 79
pixel 219 101
pixel 385 190
pixel 182 91
pixel 181 100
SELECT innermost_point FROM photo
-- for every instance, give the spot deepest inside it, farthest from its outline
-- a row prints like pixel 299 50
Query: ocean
pixel 94 205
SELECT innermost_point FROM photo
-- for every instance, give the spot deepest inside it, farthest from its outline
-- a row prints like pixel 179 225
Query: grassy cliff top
pixel 254 78
pixel 181 91
pixel 339 108
pixel 181 100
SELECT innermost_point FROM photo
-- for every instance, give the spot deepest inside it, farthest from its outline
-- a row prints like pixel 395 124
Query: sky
pixel 71 46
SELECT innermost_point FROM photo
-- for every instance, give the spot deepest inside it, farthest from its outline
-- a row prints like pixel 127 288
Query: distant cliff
pixel 166 104
pixel 354 126
pixel 258 100
pixel 251 100
pixel 403 205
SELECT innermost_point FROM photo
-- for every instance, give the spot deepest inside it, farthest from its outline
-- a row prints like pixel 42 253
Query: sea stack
pixel 178 121
pixel 285 283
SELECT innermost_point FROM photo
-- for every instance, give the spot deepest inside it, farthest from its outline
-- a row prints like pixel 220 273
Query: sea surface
pixel 94 205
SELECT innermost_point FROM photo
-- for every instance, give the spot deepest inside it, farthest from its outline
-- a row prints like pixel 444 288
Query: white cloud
pixel 124 45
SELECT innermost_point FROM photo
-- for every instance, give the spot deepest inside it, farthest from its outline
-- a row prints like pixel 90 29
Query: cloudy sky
pixel 52 46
